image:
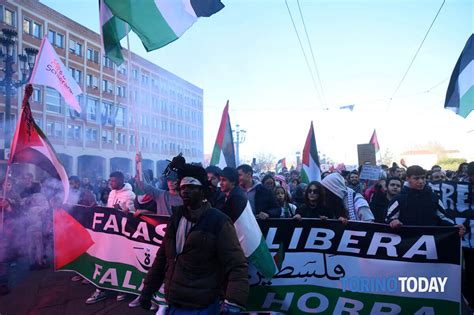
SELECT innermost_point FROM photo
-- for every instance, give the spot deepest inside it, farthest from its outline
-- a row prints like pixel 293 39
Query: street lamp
pixel 240 138
pixel 8 84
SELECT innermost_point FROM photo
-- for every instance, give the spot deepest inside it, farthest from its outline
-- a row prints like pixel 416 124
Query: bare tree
pixel 264 162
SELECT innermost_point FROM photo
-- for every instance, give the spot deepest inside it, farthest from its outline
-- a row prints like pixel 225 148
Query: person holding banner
pixel 200 252
pixel 418 205
pixel 120 198
pixel 381 199
pixel 314 204
pixel 347 203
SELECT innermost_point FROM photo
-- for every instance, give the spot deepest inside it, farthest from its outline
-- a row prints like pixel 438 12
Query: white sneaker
pixel 121 296
pixel 135 302
pixel 97 296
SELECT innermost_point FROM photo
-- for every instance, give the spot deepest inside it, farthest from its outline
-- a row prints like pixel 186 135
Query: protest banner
pixel 370 172
pixel 324 266
pixel 458 199
pixel 366 154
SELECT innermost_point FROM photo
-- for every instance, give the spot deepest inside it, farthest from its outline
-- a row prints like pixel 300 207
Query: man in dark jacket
pixel 262 200
pixel 418 205
pixel 200 251
pixel 380 200
pixel 216 197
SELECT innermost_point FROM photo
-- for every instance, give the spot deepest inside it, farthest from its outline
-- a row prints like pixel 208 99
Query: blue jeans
pixel 211 309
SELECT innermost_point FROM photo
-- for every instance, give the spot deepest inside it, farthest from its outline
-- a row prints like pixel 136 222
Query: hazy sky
pixel 248 53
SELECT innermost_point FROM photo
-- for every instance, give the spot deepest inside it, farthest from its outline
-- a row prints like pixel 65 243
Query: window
pixel 53 101
pixel 27 26
pixel 120 138
pixel 74 132
pixel 91 134
pixel 56 39
pixel 59 40
pixel 76 74
pixel 135 74
pixel 9 17
pixel 75 47
pixel 91 81
pixel 92 107
pixel 37 30
pixel 54 129
pixel 106 62
pixel 37 95
pixel 144 79
pixel 122 69
pixel 132 140
pixel 120 117
pixel 106 113
pixel 93 55
pixel 121 91
pixel 107 86
pixel 106 136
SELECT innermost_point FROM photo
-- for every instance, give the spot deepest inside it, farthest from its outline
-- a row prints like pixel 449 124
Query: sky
pixel 249 54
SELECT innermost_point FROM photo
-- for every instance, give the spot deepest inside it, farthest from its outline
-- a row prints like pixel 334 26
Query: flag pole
pixel 4 196
pixel 26 97
pixel 132 105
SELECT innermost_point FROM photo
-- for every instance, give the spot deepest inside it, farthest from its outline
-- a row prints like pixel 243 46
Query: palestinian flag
pixel 375 141
pixel 460 94
pixel 223 154
pixel 160 22
pixel 280 165
pixel 251 238
pixel 30 145
pixel 113 30
pixel 86 240
pixel 311 170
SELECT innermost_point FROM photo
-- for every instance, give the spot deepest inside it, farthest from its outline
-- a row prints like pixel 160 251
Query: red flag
pixel 30 145
pixel 375 141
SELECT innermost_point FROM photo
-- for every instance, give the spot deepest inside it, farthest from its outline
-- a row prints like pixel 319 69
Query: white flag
pixel 50 71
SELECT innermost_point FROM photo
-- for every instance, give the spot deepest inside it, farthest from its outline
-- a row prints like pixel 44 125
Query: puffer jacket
pixel 124 197
pixel 211 256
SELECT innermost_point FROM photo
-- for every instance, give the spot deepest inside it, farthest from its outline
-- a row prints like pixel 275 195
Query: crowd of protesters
pixel 399 197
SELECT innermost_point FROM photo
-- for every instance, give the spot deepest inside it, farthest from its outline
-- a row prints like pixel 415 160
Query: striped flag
pixel 375 141
pixel 460 94
pixel 280 165
pixel 223 154
pixel 112 30
pixel 311 170
pixel 251 238
pixel 160 22
pixel 30 145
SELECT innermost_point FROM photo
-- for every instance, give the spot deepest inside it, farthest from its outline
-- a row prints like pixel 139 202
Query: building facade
pixel 136 106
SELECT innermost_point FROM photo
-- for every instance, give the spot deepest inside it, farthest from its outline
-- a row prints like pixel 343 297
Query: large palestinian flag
pixel 251 238
pixel 223 154
pixel 113 30
pixel 30 145
pixel 160 22
pixel 460 93
pixel 311 170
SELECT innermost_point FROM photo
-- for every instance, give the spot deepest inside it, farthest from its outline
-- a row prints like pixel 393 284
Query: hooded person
pixel 199 253
pixel 121 196
pixel 353 207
